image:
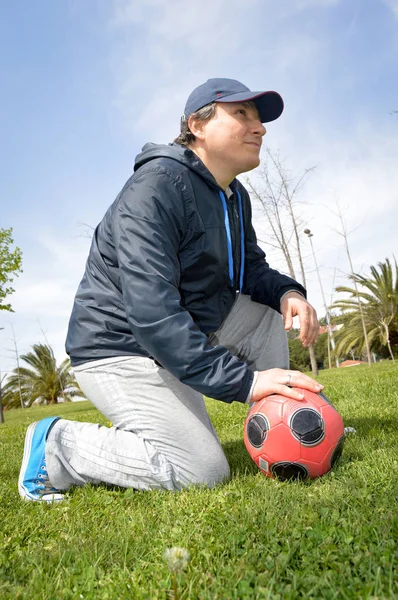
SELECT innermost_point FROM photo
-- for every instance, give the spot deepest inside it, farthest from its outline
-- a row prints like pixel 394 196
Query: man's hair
pixel 204 114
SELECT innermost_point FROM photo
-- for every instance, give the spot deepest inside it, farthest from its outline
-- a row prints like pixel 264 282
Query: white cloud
pixel 40 297
pixel 172 48
pixel 393 5
pixel 44 296
pixel 167 49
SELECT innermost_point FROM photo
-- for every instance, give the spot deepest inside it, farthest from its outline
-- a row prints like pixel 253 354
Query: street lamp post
pixel 327 314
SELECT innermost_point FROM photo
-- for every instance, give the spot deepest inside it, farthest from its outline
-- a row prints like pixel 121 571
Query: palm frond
pixel 377 297
pixel 40 381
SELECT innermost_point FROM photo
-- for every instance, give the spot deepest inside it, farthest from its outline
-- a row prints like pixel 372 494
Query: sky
pixel 84 85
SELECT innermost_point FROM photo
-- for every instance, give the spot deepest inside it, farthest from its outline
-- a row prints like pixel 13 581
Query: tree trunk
pixel 388 341
pixel 329 354
pixel 314 365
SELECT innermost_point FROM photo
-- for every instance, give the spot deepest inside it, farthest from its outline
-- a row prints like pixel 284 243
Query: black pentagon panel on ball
pixel 257 429
pixel 307 426
pixel 289 470
pixel 337 452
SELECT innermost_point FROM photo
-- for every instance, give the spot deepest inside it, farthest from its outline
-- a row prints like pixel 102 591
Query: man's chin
pixel 252 164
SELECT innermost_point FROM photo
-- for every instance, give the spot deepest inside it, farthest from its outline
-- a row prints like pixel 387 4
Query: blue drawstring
pixel 229 240
pixel 242 242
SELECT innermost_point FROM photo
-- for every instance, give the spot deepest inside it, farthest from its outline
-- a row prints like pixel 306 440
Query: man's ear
pixel 196 127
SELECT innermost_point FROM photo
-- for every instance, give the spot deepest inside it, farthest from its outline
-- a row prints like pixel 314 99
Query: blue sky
pixel 86 84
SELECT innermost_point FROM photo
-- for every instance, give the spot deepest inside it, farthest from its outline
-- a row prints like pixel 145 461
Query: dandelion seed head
pixel 176 558
pixel 348 430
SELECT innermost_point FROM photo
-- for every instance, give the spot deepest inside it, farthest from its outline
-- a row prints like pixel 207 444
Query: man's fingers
pixel 288 392
pixel 299 380
pixel 309 327
pixel 285 382
pixel 314 329
pixel 288 319
pixel 304 325
pixel 291 393
pixel 293 306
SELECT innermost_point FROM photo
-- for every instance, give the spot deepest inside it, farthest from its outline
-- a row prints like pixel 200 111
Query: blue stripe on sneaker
pixel 33 483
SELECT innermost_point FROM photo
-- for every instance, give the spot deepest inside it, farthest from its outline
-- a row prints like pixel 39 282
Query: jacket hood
pixel 178 153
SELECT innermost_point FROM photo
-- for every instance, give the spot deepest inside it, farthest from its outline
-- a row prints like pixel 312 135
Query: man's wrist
pixel 250 394
pixel 289 292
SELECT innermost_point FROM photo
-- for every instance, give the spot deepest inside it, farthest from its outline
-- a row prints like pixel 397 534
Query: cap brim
pixel 269 104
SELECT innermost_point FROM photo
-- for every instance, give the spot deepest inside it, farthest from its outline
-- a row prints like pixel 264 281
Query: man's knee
pixel 208 471
pixel 217 472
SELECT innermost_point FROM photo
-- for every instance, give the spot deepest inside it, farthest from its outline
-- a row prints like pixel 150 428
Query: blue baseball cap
pixel 269 104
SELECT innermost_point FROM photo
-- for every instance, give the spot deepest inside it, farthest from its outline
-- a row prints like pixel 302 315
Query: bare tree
pixel 278 199
pixel 331 342
pixel 17 360
pixel 271 201
pixel 87 232
pixel 344 233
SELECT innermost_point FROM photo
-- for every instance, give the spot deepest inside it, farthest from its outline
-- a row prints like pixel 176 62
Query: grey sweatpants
pixel 162 437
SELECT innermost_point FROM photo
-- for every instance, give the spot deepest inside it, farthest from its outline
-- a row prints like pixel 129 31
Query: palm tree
pixel 379 299
pixel 44 381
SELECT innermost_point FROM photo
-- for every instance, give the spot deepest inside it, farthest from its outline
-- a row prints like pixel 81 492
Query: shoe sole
pixel 23 492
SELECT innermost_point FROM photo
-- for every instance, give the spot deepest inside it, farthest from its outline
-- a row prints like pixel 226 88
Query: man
pixel 177 301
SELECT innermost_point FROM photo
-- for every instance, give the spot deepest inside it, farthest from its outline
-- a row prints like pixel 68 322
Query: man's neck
pixel 217 170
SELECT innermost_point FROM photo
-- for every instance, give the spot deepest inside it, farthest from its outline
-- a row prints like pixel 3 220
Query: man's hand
pixel 280 381
pixel 295 305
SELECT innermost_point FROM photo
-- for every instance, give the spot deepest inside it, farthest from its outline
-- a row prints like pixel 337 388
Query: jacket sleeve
pixel 148 228
pixel 261 283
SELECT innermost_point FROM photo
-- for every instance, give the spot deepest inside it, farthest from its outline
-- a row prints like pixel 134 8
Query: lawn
pixel 335 537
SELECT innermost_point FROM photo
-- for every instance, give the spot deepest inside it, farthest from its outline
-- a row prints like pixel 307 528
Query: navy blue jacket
pixel 158 277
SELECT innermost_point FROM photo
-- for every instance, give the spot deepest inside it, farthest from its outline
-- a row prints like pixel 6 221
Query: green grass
pixel 335 537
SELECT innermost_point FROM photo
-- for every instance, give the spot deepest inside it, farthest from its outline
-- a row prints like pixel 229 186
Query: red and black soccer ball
pixel 294 439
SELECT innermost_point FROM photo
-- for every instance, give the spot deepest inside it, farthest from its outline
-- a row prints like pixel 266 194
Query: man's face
pixel 234 136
